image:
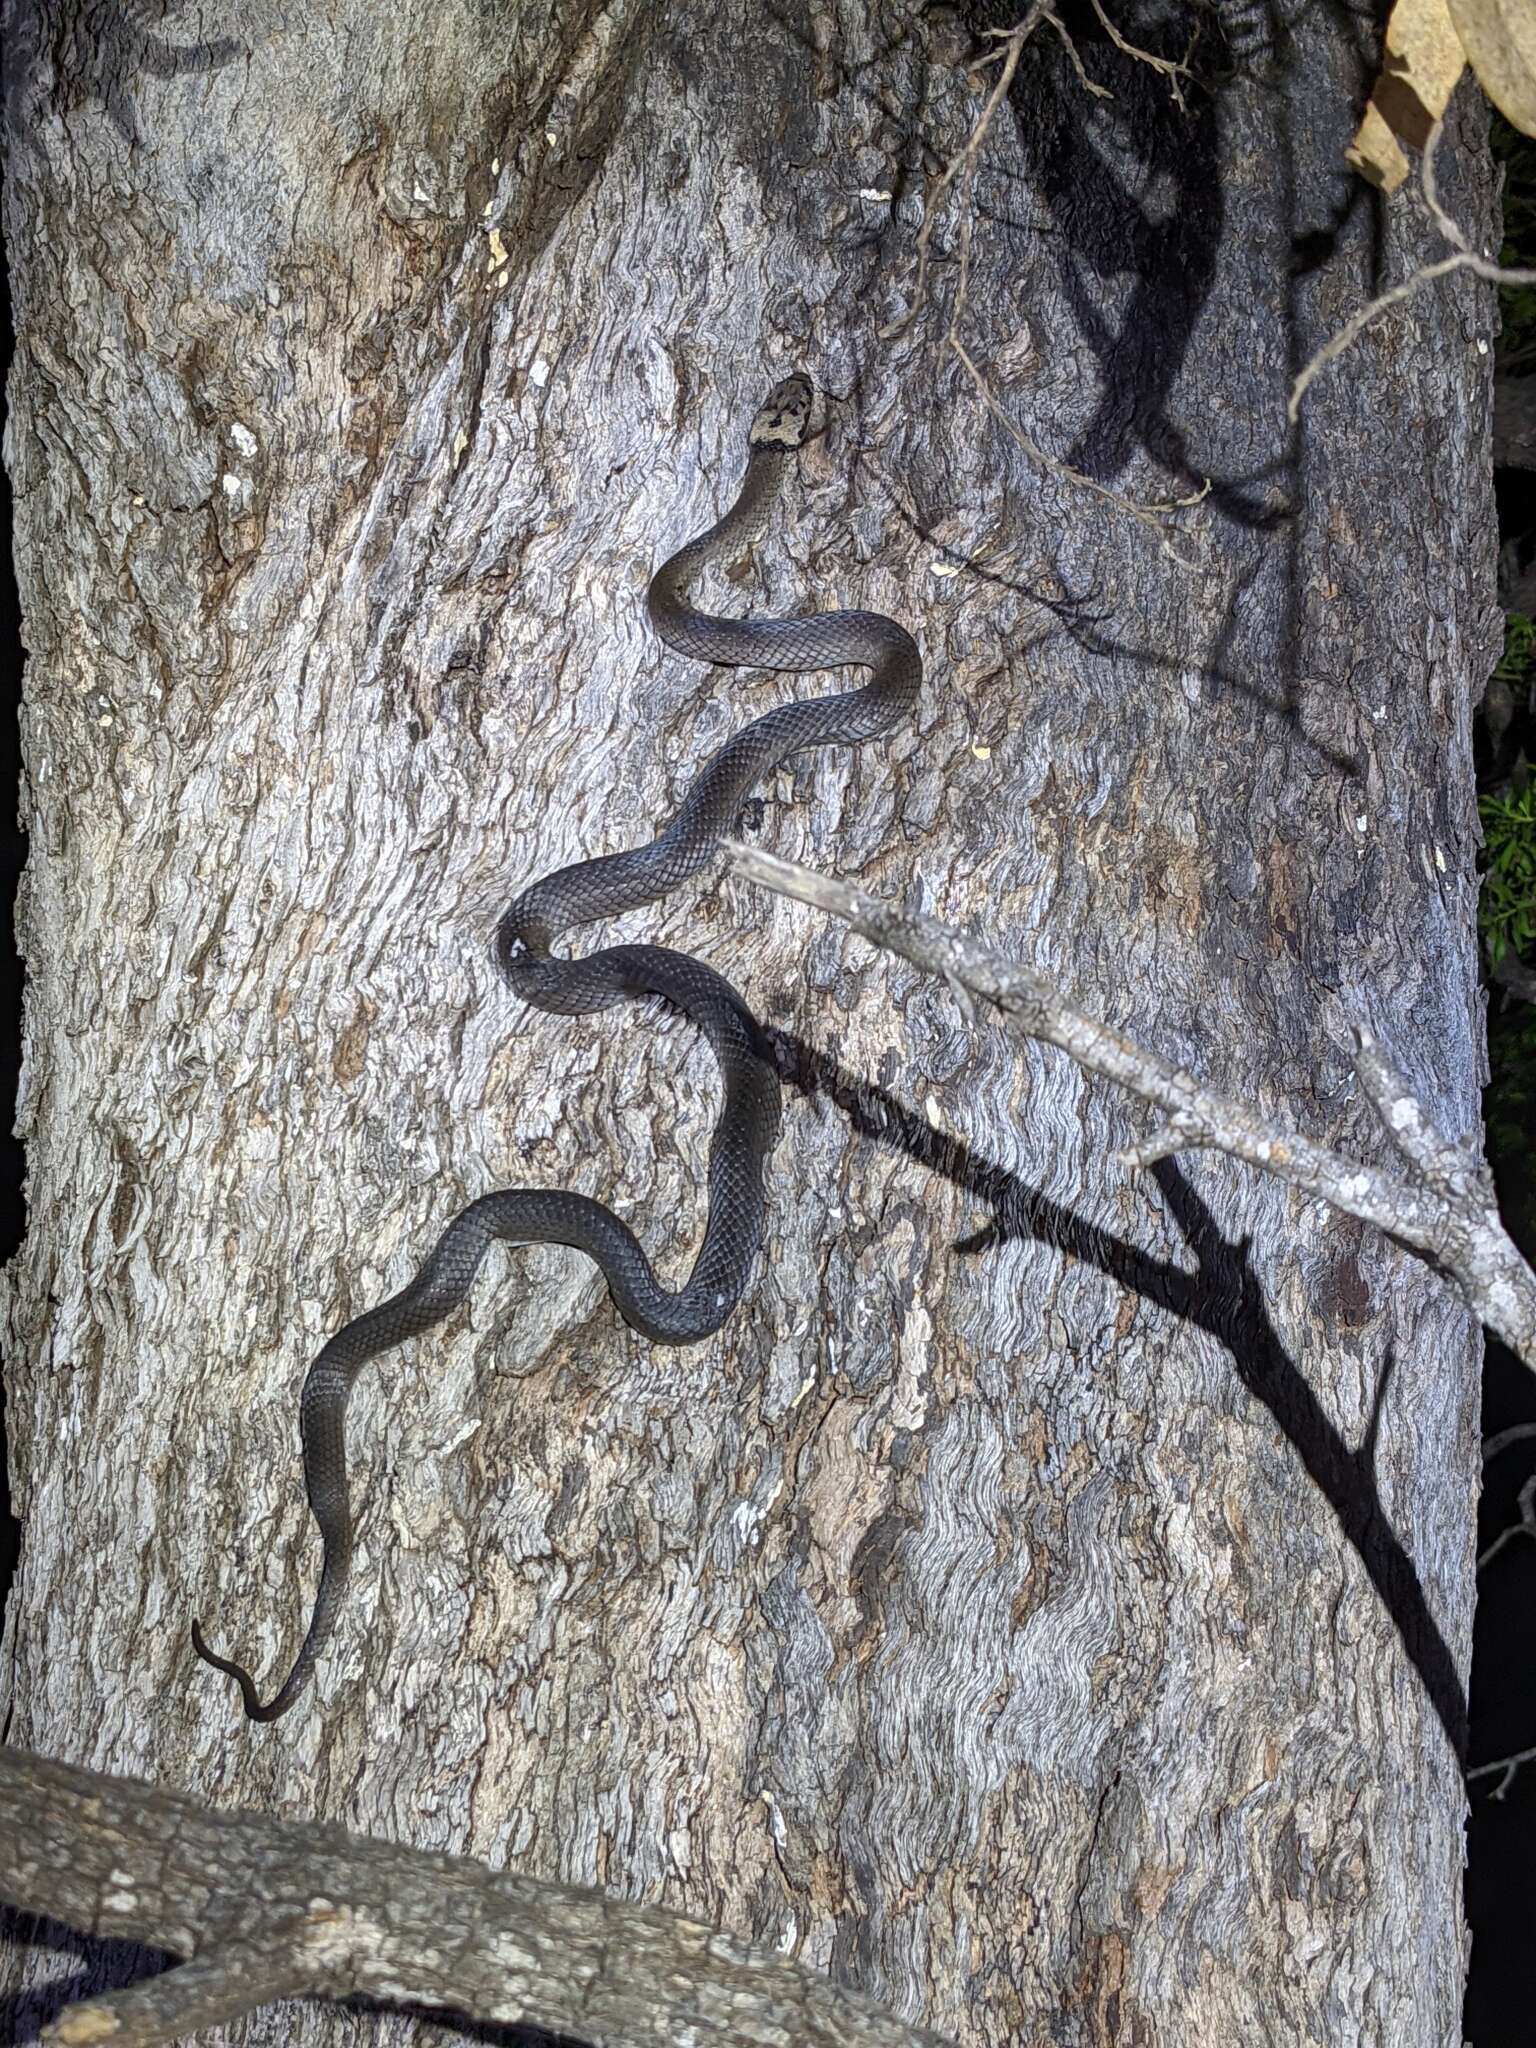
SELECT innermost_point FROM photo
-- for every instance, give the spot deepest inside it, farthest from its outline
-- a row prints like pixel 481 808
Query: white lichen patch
pixel 508 1953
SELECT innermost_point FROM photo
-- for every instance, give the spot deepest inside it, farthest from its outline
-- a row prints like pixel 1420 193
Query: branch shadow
pixel 1129 195
pixel 1134 191
pixel 1223 1297
pixel 110 1965
pixel 102 1966
pixel 1084 618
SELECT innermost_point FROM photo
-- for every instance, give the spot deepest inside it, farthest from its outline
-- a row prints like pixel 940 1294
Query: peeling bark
pixel 1046 1607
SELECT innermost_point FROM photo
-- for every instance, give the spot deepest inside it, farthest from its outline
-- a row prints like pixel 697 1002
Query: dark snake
pixel 578 895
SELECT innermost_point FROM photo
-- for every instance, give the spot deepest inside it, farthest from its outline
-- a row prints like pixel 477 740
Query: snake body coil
pixel 578 895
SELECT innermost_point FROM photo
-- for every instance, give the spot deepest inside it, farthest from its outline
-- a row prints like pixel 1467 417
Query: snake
pixel 583 893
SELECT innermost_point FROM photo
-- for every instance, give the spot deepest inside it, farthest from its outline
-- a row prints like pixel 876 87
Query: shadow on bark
pixel 1155 214
pixel 102 1966
pixel 113 1965
pixel 105 62
pixel 432 2024
pixel 1224 1298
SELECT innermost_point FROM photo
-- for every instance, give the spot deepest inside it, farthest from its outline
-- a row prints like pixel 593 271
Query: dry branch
pixel 1464 257
pixel 271 1909
pixel 1447 1211
pixel 1508 1766
pixel 1171 71
pixel 1006 48
pixel 1523 1525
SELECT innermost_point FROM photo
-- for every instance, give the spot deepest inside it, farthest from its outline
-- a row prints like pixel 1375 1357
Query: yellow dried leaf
pixel 1421 64
pixel 1499 37
pixel 1374 152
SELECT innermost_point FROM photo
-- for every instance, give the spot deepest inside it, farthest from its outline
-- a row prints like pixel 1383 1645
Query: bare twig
pixel 1170 70
pixel 1509 1765
pixel 1525 1500
pixel 1523 1525
pixel 961 171
pixel 1517 1433
pixel 963 166
pixel 1153 516
pixel 272 1909
pixel 1090 86
pixel 1446 1212
pixel 1464 258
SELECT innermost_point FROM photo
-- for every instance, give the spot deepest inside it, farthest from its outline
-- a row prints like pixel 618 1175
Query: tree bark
pixel 269 1908
pixel 1046 1607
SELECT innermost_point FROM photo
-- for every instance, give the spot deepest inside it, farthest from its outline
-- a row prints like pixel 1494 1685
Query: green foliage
pixel 1507 911
pixel 1516 666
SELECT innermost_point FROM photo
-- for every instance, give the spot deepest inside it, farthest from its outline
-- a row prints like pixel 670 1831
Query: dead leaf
pixel 1421 63
pixel 1499 37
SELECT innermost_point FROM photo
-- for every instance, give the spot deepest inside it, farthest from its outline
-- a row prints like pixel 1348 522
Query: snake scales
pixel 578 895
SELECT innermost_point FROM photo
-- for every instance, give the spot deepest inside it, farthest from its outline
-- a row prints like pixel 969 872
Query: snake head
pixel 784 417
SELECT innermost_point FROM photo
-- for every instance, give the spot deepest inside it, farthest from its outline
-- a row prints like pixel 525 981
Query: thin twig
pixel 1517 1433
pixel 1509 1765
pixel 1465 258
pixel 1523 1525
pixel 1446 1213
pixel 1172 71
pixel 1090 86
pixel 1153 516
pixel 961 171
pixel 1009 45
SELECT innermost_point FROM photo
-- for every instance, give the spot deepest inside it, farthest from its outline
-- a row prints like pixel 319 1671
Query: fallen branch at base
pixel 271 1909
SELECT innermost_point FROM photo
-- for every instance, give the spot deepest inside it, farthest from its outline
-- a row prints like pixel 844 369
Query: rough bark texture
pixel 1047 1606
pixel 271 1907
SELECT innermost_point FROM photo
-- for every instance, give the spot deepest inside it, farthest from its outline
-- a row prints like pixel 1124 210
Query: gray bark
pixel 271 1908
pixel 1046 1607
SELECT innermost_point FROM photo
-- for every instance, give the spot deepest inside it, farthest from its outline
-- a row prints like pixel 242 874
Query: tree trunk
pixel 1046 1606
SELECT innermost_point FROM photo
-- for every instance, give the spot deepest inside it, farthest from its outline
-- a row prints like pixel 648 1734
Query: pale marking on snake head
pixel 784 416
